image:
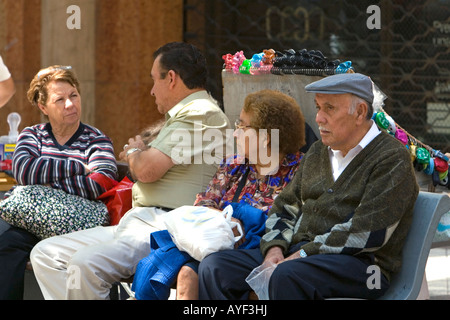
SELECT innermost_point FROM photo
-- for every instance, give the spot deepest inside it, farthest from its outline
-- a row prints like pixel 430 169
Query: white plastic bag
pixel 200 231
pixel 259 278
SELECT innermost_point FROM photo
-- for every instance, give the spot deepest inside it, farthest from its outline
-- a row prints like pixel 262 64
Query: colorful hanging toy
pixel 432 162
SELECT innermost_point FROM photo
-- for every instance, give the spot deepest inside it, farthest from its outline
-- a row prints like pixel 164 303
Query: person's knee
pixel 279 274
pixel 210 264
pixel 186 274
pixel 284 284
pixel 83 260
pixel 42 253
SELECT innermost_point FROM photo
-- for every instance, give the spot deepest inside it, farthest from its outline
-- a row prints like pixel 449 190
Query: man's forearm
pixel 7 90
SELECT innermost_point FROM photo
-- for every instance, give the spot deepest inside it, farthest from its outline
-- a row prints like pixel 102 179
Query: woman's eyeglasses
pixel 46 71
pixel 238 125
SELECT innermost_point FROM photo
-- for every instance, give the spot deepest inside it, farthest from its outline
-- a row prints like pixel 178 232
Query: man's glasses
pixel 46 71
pixel 238 125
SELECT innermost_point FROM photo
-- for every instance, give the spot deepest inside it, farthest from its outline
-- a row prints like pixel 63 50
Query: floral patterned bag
pixel 46 212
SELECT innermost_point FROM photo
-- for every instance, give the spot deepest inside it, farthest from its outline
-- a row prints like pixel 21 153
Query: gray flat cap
pixel 355 83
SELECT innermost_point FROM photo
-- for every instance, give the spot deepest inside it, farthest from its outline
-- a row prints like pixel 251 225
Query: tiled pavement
pixel 438 273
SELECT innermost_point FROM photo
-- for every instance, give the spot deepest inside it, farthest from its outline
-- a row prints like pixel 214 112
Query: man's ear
pixel 361 110
pixel 173 77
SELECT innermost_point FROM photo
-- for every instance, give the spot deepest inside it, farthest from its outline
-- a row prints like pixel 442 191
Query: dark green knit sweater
pixel 367 209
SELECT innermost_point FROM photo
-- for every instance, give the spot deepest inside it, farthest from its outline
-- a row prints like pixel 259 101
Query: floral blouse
pixel 258 192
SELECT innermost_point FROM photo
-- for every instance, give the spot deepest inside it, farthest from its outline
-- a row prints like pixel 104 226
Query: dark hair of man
pixel 186 60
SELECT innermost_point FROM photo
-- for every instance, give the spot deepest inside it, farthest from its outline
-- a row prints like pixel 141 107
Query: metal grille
pixel 408 56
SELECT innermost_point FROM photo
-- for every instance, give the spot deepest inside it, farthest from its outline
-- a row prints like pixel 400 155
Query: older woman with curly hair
pixel 275 122
pixel 269 133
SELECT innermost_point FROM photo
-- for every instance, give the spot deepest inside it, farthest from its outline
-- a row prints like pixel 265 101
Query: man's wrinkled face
pixel 336 125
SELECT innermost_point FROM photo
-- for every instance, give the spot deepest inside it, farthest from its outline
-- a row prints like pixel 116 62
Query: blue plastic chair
pixel 428 210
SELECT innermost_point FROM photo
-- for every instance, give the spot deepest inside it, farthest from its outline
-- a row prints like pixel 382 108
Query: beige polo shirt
pixel 186 138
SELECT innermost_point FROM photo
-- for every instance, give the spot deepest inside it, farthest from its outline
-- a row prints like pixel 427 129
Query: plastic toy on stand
pixel 256 62
pixel 266 63
pixel 228 61
pixel 8 143
pixel 287 62
pixel 238 58
pixel 13 121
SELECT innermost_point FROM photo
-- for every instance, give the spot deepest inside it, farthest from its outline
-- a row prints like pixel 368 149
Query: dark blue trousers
pixel 15 248
pixel 222 276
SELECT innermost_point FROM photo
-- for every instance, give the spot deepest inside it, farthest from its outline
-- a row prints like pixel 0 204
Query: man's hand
pixel 135 142
pixel 274 255
pixel 294 255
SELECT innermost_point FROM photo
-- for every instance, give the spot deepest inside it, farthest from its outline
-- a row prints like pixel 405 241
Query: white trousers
pixel 85 264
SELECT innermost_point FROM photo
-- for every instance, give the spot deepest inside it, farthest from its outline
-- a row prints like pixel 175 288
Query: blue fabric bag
pixel 156 273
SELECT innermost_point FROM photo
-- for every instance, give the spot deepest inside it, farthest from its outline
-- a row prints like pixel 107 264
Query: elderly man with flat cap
pixel 337 230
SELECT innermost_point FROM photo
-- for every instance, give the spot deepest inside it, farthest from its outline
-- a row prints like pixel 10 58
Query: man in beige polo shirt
pixel 84 264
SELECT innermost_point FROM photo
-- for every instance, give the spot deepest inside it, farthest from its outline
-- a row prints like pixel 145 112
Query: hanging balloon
pixel 412 151
pixel 392 127
pixel 443 175
pixel 381 120
pixel 422 155
pixel 440 165
pixel 429 169
pixel 401 136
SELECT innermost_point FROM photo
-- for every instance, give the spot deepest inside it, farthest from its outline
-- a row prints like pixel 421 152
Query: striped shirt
pixel 40 159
